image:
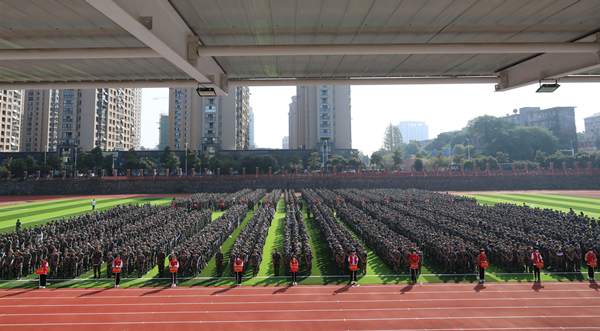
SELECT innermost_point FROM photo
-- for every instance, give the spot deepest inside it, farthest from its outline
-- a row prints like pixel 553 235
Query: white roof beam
pixel 364 81
pixel 77 53
pixel 550 66
pixel 159 26
pixel 381 49
pixel 98 84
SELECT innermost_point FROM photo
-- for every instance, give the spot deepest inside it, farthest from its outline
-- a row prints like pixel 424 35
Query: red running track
pixel 495 306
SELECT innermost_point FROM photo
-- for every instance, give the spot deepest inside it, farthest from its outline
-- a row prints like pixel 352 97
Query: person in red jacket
pixel 481 258
pixel 238 263
pixel 353 264
pixel 590 258
pixel 116 270
pixel 44 273
pixel 414 265
pixel 536 258
pixel 173 268
pixel 294 269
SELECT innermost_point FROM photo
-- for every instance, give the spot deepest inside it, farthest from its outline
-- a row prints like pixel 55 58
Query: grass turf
pixel 34 213
pixel 323 271
pixel 589 206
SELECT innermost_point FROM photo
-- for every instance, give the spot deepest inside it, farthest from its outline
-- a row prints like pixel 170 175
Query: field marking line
pixel 271 294
pixel 309 320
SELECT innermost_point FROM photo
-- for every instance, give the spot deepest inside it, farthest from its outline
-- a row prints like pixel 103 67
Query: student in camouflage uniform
pixel 219 262
pixel 255 263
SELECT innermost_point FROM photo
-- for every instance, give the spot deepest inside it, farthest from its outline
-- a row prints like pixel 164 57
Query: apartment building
pixel 413 130
pixel 209 123
pixel 592 130
pixel 67 119
pixel 11 105
pixel 559 120
pixel 320 117
pixel 40 121
pixel 163 132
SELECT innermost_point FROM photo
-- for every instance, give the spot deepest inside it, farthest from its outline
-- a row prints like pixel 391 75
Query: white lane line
pixel 40 294
pixel 299 287
pixel 294 310
pixel 309 320
pixel 284 302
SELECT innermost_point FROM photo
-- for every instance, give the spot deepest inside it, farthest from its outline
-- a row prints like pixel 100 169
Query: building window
pixel 69 95
pixel 210 109
pixel 325 132
pixel 325 107
pixel 68 103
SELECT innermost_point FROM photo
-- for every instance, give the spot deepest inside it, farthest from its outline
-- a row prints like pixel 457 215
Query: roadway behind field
pixel 16 200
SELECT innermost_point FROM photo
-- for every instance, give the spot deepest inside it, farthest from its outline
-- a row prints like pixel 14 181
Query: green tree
pixel 418 165
pixel 55 163
pixel 355 160
pixel 413 147
pixel 392 138
pixel 193 160
pixel 132 161
pixel 17 167
pixel 398 157
pixel 502 157
pixel 294 161
pixel 169 160
pixel 314 160
pixel 3 172
pixel 85 162
pixel 32 166
pixel 540 157
pixel 459 149
pixel 376 158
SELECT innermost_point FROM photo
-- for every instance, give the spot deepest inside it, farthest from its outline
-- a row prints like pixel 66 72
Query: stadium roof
pixel 145 43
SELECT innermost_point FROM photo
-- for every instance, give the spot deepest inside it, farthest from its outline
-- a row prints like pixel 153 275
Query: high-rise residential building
pixel 320 116
pixel 66 119
pixel 285 142
pixel 413 130
pixel 163 132
pixel 209 123
pixel 40 121
pixel 592 130
pixel 11 105
pixel 252 143
pixel 559 120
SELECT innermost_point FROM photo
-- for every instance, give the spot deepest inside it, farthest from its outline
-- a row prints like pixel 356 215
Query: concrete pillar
pixel 462 168
pixel 64 174
pixel 372 169
pixel 437 167
pixel 385 169
pixel 141 173
pixel 24 174
pixel 564 166
pixel 347 169
pixel 37 174
pixel 475 168
pixel 514 167
pixel 539 166
pixel 296 171
pixel 487 166
pixel 230 171
pixel 193 172
pixel 167 173
pixel 153 172
pixel 218 171
pixel 256 171
pixel 102 173
pixel 589 166
pixel 8 175
pixel 360 170
pixel 282 171
pixel 115 172
pixel 551 166
pixel 89 174
pixel 269 170
pixel 128 173
pixel 243 171
pixel 205 171
pixel 449 167
pixel 76 173
pixel 51 174
pixel 321 171
pixel 577 165
pixel 334 170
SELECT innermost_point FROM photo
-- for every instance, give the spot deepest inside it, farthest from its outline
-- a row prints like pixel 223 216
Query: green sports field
pixel 323 270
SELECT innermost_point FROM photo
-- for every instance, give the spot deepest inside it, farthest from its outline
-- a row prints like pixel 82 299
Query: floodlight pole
pixel 186 159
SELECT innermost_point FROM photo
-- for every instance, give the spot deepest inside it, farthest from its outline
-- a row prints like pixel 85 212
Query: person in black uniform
pixel 160 261
pixel 276 261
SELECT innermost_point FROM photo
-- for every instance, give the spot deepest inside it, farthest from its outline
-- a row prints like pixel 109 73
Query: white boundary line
pixel 285 302
pixel 339 320
pixel 285 277
pixel 296 310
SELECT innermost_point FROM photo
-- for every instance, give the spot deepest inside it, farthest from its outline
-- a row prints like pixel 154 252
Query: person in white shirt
pixel 93 204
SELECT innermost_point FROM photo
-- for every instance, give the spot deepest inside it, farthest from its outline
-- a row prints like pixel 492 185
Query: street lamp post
pixel 468 148
pixel 572 149
pixel 186 159
pixel 45 152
